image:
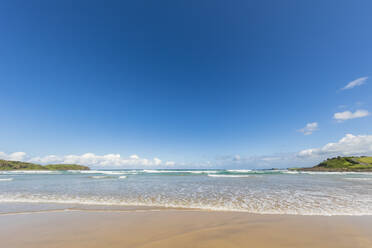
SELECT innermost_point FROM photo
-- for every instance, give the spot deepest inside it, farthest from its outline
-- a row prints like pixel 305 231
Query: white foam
pixel 122 202
pixel 6 179
pixel 359 179
pixel 239 171
pixel 216 175
pixel 101 172
pixel 290 172
pixel 180 171
pixel 99 177
pixel 113 172
pixel 335 173
pixel 30 172
pixel 276 193
pixel 83 171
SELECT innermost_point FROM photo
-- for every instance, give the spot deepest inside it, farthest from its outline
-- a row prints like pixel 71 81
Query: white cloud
pixel 347 146
pixel 309 128
pixel 15 156
pixel 170 163
pixel 157 161
pixel 134 156
pixel 348 115
pixel 46 159
pixel 90 159
pixel 356 82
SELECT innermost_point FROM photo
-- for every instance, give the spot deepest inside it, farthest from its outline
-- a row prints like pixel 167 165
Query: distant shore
pixel 152 228
pixel 10 165
pixel 341 164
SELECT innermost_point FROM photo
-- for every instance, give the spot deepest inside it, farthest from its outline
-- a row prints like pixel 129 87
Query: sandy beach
pixel 179 228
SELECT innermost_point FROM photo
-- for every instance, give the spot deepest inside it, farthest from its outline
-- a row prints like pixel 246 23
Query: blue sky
pixel 195 83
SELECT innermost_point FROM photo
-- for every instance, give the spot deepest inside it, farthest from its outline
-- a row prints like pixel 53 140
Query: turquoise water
pixel 254 191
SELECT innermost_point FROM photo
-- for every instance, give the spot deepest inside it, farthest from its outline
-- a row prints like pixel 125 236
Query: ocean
pixel 252 191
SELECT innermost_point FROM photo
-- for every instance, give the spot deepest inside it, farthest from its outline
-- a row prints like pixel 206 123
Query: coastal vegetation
pixel 362 163
pixel 18 165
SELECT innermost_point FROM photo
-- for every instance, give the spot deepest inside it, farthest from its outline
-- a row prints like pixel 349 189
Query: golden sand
pixel 180 229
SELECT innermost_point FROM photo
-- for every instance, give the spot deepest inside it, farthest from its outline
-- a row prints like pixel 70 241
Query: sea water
pixel 253 191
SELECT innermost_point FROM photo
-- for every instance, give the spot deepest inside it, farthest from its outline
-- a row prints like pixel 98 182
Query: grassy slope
pixel 367 160
pixel 343 164
pixel 65 167
pixel 17 165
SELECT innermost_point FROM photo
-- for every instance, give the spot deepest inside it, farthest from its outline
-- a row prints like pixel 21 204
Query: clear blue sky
pixel 185 81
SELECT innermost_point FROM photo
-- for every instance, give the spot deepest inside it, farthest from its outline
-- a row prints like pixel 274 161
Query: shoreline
pixel 21 207
pixel 180 228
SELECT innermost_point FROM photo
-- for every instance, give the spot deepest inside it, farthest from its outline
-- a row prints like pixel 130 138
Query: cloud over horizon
pixel 347 146
pixel 89 159
pixel 17 156
pixel 356 82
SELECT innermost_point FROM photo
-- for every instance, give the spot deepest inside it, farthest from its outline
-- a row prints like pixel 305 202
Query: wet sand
pixel 179 228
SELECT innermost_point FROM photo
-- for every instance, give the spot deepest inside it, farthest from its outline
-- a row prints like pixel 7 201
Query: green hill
pixel 65 167
pixel 342 164
pixel 17 165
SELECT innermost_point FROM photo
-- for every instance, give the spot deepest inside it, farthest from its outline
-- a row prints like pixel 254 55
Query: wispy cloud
pixel 356 82
pixel 309 128
pixel 348 115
